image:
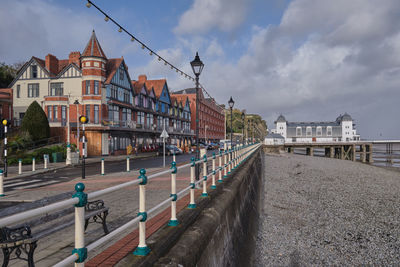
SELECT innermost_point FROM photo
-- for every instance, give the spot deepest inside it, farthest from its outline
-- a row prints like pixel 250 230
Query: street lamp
pixel 68 160
pixel 83 120
pixel 243 117
pixel 77 124
pixel 231 103
pixel 5 123
pixel 197 67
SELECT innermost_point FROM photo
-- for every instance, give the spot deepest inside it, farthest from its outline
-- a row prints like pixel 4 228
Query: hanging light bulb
pixel 132 39
pixel 142 46
pixel 106 18
pixel 88 4
pixel 176 70
pixel 172 67
pixel 120 29
pixel 159 58
pixel 165 63
pixel 151 53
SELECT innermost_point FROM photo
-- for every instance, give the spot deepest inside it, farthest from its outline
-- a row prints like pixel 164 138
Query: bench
pixel 22 238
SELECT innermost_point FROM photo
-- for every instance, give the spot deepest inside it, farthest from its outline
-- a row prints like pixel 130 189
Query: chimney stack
pixel 142 78
pixel 52 64
pixel 74 57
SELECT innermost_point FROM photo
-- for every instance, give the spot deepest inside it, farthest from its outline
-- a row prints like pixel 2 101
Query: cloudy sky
pixel 310 60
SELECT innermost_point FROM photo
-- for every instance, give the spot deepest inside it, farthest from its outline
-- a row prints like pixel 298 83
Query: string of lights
pixel 121 29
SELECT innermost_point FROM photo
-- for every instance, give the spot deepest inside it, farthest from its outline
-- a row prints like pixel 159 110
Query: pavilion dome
pixel 281 118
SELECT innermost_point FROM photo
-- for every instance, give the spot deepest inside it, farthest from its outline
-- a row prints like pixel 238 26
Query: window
pixel 55 112
pixel 126 97
pixel 96 114
pixel 18 90
pixel 57 89
pixel 88 112
pixel 308 131
pixel 319 131
pixel 298 131
pixel 140 118
pixel 149 120
pixel 33 90
pixel 124 114
pixel 114 92
pixel 49 113
pixel 96 87
pixel 87 88
pixel 63 113
pixel 34 71
pixel 129 115
pixel 121 73
pixel 329 131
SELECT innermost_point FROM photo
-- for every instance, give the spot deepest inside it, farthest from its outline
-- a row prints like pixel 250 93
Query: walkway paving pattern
pixel 123 206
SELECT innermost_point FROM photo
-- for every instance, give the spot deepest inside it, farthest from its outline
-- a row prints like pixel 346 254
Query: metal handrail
pixel 237 154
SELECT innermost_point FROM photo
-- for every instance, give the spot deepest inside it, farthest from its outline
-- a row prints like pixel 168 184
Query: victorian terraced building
pixel 121 111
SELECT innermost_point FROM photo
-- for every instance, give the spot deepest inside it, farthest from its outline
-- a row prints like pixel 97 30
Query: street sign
pixel 164 134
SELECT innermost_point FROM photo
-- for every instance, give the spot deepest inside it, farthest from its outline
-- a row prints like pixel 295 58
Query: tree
pixel 35 122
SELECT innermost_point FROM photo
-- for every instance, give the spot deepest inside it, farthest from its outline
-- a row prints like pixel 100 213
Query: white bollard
pixel 173 221
pixel 1 184
pixel 173 157
pixel 102 166
pixel 33 164
pixel 204 194
pixel 45 162
pixel 20 166
pixel 192 204
pixel 80 225
pixel 142 249
pixel 127 164
pixel 213 186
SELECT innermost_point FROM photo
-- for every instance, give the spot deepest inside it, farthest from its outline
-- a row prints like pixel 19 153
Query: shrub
pixel 35 122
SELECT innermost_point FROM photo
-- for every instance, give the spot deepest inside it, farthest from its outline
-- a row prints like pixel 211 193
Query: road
pixel 70 173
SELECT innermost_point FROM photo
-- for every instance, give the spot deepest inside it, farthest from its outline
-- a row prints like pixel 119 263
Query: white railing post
pixel 142 249
pixel 229 160
pixel 192 204
pixel 225 164
pixel 204 194
pixel 102 166
pixel 127 164
pixel 220 167
pixel 80 248
pixel 173 156
pixel 20 166
pixel 213 186
pixel 173 221
pixel 33 164
pixel 1 184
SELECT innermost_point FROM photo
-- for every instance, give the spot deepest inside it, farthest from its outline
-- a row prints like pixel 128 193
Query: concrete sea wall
pixel 219 232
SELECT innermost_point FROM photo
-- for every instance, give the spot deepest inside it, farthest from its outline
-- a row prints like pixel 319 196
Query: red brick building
pixel 6 103
pixel 211 115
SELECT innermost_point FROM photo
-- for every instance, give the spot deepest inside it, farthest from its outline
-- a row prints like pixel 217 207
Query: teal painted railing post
pixel 80 248
pixel 192 204
pixel 19 166
pixel 33 164
pixel 128 169
pixel 225 164
pixel 220 167
pixel 213 186
pixel 173 221
pixel 142 249
pixel 229 160
pixel 102 166
pixel 204 194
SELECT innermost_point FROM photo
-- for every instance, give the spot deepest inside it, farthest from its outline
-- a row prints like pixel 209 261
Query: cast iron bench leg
pixel 6 259
pixel 32 247
pixel 103 219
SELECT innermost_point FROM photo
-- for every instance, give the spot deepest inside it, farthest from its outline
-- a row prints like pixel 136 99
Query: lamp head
pixel 197 65
pixel 231 102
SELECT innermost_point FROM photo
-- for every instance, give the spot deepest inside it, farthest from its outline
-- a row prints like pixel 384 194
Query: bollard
pixel 213 186
pixel 220 167
pixel 102 166
pixel 142 249
pixel 1 184
pixel 173 156
pixel 20 166
pixel 173 221
pixel 80 225
pixel 192 204
pixel 127 164
pixel 33 164
pixel 45 162
pixel 204 194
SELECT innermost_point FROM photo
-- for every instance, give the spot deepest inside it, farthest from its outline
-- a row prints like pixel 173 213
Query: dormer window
pixel 298 131
pixel 34 71
pixel 308 131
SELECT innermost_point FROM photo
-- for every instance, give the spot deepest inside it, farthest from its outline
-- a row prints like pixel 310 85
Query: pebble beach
pixel 320 211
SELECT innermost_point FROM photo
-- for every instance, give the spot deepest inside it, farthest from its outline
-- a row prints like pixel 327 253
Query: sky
pixel 310 60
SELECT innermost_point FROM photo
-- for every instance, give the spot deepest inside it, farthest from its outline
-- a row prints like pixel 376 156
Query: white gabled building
pixel 340 130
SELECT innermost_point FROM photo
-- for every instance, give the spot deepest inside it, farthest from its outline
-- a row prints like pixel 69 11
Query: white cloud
pixel 205 15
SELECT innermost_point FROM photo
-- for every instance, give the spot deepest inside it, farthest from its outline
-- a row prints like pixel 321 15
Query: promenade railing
pixel 235 156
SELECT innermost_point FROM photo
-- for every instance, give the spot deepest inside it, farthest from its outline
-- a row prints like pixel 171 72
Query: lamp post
pixel 231 103
pixel 205 134
pixel 197 67
pixel 243 117
pixel 5 123
pixel 68 160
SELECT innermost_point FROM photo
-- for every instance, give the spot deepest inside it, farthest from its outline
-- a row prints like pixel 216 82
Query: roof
pixel 346 117
pixel 274 135
pixel 281 118
pixel 93 48
pixel 157 85
pixel 312 124
pixel 186 91
pixel 111 67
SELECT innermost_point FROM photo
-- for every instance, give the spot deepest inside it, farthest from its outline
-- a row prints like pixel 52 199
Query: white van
pixel 224 144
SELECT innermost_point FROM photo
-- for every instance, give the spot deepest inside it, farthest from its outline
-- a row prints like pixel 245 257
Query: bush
pixel 35 122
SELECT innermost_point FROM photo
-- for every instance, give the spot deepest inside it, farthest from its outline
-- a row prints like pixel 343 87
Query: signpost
pixel 164 135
